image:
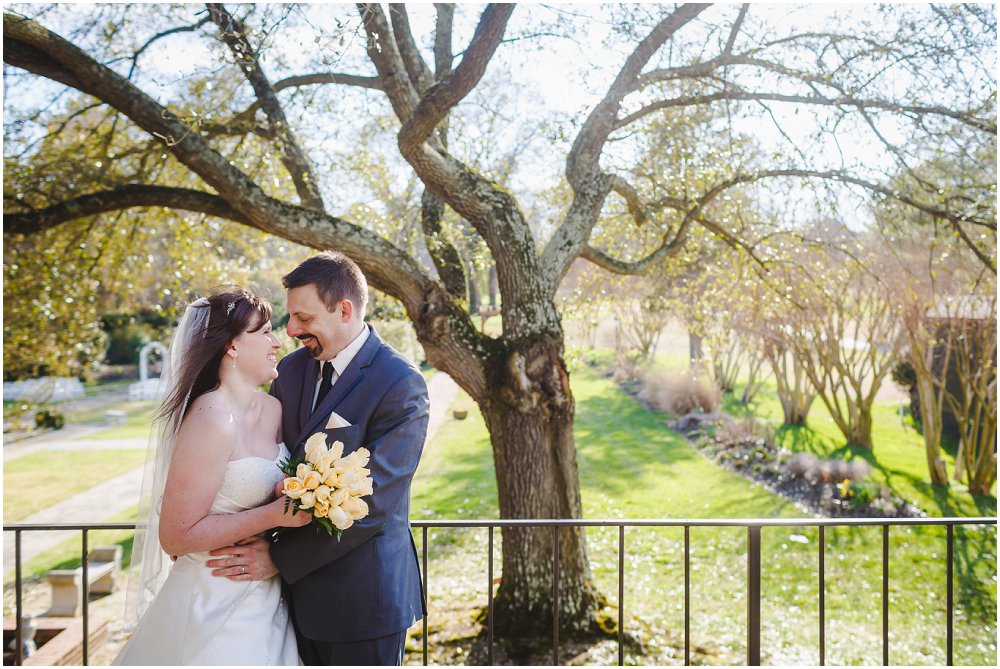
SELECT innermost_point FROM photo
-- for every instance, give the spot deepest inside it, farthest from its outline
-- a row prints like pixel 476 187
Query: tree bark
pixel 859 430
pixel 529 411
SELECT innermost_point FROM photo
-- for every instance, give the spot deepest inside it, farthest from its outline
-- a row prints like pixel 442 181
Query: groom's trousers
pixel 384 651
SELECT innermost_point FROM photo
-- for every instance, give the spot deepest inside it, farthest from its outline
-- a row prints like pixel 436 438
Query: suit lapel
pixel 351 377
pixel 309 377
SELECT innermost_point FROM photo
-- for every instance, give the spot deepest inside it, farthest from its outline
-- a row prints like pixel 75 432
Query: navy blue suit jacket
pixel 366 585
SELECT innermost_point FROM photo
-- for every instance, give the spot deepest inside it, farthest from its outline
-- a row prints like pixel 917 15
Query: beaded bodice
pixel 248 483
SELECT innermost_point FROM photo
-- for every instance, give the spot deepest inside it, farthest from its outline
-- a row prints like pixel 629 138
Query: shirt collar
pixel 343 359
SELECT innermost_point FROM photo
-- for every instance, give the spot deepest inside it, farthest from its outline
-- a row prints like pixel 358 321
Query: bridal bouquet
pixel 328 485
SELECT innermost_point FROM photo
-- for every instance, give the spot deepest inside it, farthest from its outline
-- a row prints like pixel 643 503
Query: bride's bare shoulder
pixel 270 408
pixel 210 416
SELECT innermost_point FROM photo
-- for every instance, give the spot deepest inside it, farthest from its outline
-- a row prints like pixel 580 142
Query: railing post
pixel 555 595
pixel 822 595
pixel 86 602
pixel 753 595
pixel 489 606
pixel 621 595
pixel 427 596
pixel 885 595
pixel 949 637
pixel 18 604
pixel 687 595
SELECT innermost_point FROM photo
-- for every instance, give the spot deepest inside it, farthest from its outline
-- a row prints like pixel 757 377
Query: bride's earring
pixel 234 359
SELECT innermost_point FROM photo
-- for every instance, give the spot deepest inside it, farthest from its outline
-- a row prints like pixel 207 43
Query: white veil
pixel 150 564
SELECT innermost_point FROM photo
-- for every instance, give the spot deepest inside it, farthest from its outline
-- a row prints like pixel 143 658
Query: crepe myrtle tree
pixel 920 70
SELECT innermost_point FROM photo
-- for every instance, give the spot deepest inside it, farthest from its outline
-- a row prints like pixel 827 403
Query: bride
pixel 212 483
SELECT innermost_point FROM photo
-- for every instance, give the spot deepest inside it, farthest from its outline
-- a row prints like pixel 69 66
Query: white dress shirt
pixel 340 361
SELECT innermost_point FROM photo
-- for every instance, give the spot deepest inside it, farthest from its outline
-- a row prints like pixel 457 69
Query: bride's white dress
pixel 200 619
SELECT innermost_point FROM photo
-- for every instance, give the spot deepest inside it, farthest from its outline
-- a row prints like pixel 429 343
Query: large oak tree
pixel 910 72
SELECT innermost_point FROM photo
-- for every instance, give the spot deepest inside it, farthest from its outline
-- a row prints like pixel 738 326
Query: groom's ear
pixel 347 310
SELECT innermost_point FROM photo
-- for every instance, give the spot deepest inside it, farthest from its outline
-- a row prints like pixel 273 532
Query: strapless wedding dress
pixel 200 619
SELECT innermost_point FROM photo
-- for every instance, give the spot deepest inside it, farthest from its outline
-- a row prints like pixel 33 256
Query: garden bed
pixel 826 488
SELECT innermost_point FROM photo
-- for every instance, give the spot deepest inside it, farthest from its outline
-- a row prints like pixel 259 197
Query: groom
pixel 352 600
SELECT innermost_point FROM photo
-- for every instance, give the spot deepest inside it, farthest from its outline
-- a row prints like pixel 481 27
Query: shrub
pixel 680 394
pixel 811 468
pixel 859 493
pixel 625 370
pixel 50 418
pixel 749 429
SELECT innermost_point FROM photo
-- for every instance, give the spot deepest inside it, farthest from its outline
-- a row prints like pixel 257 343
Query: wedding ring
pixel 243 569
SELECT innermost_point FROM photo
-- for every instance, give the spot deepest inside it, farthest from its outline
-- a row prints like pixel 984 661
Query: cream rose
pixel 332 478
pixel 316 447
pixel 339 518
pixel 321 508
pixel 355 460
pixel 327 461
pixel 294 487
pixel 355 483
pixel 307 499
pixel 322 493
pixel 363 487
pixel 355 507
pixel 337 450
pixel 312 480
pixel 302 470
pixel 339 497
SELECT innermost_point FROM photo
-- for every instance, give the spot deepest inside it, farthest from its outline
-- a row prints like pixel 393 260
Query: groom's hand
pixel 247 560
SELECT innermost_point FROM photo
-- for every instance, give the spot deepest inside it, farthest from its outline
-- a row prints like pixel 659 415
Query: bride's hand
pixel 285 518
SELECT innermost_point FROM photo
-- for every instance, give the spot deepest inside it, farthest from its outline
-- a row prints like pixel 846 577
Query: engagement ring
pixel 243 569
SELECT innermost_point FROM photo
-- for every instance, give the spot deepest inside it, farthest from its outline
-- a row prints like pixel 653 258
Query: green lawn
pixel 29 482
pixel 632 466
pixel 138 419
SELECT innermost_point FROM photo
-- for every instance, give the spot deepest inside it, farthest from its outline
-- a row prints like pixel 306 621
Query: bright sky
pixel 558 78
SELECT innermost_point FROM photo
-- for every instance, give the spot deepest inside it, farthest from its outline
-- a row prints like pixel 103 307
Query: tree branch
pixel 736 94
pixel 419 73
pixel 159 36
pixel 446 259
pixel 586 152
pixel 435 104
pixel 124 197
pixel 234 34
pixel 636 207
pixel 384 53
pixel 30 46
pixel 737 24
pixel 443 57
pixel 590 185
pixel 328 78
pixel 245 119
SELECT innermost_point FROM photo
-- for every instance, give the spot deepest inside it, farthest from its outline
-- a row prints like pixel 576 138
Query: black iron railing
pixel 753 588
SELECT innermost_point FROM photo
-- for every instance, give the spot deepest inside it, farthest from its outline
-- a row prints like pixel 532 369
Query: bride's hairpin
pixel 229 308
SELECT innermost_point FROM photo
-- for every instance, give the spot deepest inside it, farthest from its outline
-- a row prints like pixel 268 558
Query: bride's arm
pixel 205 443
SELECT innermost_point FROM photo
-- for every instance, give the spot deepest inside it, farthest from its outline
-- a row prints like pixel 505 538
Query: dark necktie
pixel 326 383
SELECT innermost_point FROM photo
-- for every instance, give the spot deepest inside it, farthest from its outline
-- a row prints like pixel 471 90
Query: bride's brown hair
pixel 232 311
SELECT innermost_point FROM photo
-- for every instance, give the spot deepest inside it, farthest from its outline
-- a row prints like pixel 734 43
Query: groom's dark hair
pixel 336 278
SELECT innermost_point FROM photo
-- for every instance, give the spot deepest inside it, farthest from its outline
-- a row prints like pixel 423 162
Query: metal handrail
pixel 753 526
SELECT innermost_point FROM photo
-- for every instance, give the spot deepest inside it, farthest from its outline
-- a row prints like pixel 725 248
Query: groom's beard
pixel 316 349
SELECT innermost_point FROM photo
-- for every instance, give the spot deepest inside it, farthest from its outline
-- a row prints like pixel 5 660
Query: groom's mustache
pixel 303 337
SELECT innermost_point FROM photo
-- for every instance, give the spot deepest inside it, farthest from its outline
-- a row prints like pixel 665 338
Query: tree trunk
pixel 932 426
pixel 793 390
pixel 522 389
pixel 529 412
pixel 473 293
pixel 859 429
pixel 493 286
pixel 694 349
pixel 795 410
